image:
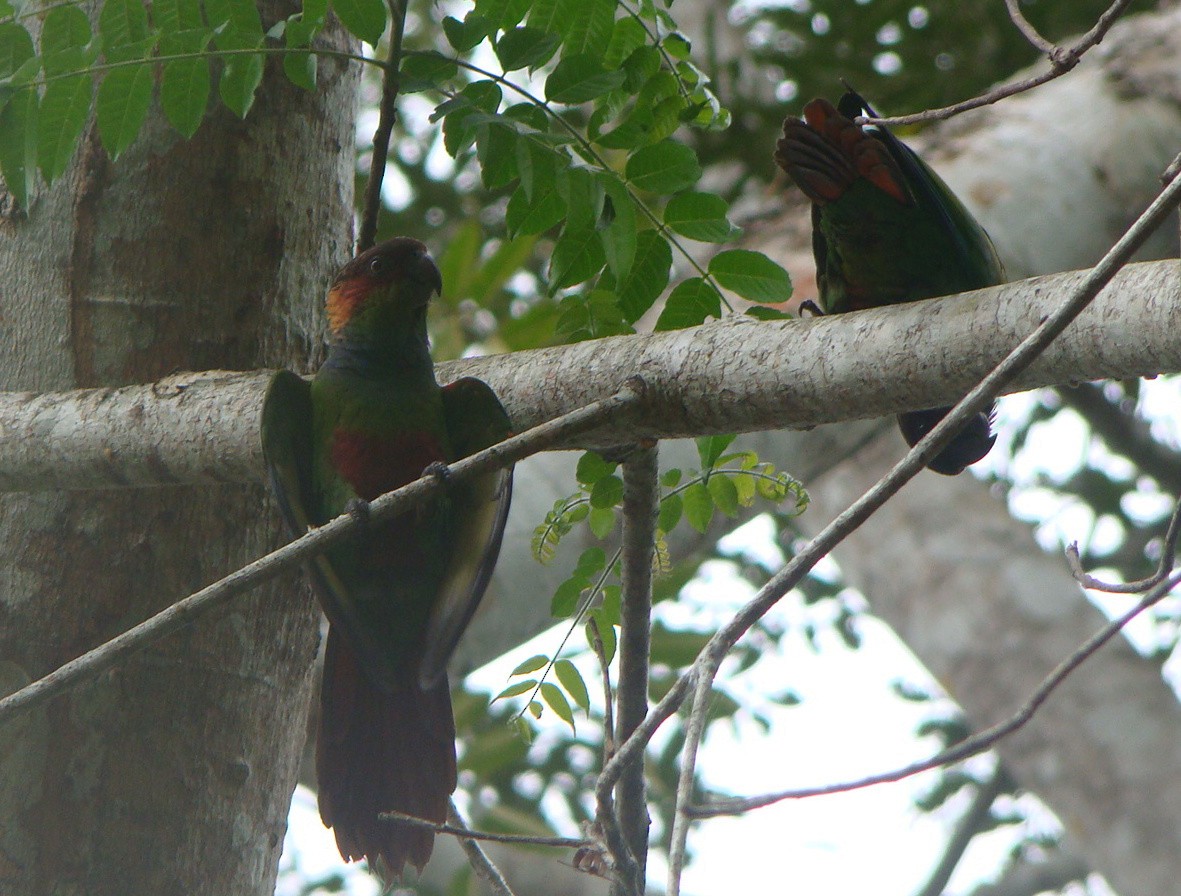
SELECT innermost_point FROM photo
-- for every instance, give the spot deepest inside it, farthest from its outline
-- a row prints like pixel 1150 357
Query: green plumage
pixel 399 596
pixel 886 229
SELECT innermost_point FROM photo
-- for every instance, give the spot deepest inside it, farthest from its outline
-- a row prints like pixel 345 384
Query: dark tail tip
pixel 971 444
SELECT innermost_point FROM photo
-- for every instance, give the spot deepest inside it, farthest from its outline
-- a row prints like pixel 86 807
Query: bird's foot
pixel 438 471
pixel 812 309
pixel 358 509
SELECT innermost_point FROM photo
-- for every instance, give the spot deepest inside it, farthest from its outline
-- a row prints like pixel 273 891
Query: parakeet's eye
pixel 377 266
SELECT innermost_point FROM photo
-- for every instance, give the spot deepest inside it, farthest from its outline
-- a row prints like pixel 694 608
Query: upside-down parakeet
pixel 398 597
pixel 886 229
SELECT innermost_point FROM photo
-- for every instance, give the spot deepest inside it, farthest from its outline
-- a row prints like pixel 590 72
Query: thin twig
pixel 694 731
pixel 316 541
pixel 910 464
pixel 457 828
pixel 386 116
pixel 477 858
pixel 641 494
pixel 600 650
pixel 967 748
pixel 1167 560
pixel 971 823
pixel 1062 60
pixel 1027 30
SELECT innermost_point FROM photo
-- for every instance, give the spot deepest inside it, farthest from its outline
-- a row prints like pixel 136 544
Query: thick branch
pixel 736 375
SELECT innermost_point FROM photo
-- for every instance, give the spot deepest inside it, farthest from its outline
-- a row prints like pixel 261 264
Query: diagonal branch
pixel 707 662
pixel 387 506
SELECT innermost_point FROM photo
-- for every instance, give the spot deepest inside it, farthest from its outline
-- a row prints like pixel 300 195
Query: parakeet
pixel 886 229
pixel 399 596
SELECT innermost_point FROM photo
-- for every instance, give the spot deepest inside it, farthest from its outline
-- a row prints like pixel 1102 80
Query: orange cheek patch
pixel 343 301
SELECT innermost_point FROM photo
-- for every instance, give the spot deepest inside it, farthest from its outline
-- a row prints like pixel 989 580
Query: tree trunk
pixel 172 774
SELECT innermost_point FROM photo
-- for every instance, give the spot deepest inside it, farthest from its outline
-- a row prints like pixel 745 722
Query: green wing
pixel 475 420
pixel 287 448
pixel 971 251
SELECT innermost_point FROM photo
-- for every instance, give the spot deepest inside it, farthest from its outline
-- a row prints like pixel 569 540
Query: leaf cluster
pixel 110 64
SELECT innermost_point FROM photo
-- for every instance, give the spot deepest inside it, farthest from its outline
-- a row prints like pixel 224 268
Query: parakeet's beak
pixel 426 272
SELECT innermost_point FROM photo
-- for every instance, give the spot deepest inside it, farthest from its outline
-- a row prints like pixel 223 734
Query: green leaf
pixel 711 448
pixel 64 109
pixel 18 144
pixel 496 149
pixel 503 14
pixel 240 78
pixel 577 256
pixel 724 494
pixel 465 113
pixel 592 467
pixel 566 597
pixel 670 513
pixel 532 664
pixel 63 37
pixel 627 36
pixel 591 561
pixel 467 34
pixel 752 275
pixel 664 167
pixel 700 216
pixel 580 78
pixel 426 71
pixel 300 68
pixel 671 478
pixel 537 215
pixel 15 48
pixel 589 29
pixel 699 506
pixel 556 700
pixel 607 492
pixel 572 681
pixel 591 315
pixel 689 304
pixel 601 521
pixel 526 47
pixel 364 18
pixel 648 275
pixel 172 16
pixel 184 93
pixel 123 99
pixel 766 312
pixel 606 635
pixel 515 690
pixel 123 27
pixel 584 196
pixel 619 231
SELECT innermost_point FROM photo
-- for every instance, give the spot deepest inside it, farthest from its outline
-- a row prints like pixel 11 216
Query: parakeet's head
pixel 392 281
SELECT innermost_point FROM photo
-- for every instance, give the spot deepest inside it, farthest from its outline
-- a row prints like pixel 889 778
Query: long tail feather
pixel 381 750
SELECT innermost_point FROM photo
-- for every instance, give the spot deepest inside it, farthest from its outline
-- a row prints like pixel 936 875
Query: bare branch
pixel 1062 60
pixel 971 823
pixel 386 116
pixel 1167 560
pixel 387 506
pixel 641 494
pixel 735 375
pixel 477 858
pixel 1026 28
pixel 705 666
pixel 457 828
pixel 969 747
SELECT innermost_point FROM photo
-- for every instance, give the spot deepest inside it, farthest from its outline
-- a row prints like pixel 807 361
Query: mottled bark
pixel 173 773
